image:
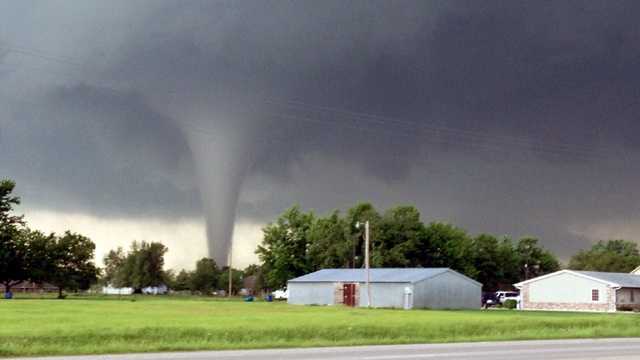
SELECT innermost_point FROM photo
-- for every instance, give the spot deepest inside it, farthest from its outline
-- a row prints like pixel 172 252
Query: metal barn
pixel 435 288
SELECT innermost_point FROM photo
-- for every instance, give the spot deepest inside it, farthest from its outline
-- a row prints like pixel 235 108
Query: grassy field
pixel 100 325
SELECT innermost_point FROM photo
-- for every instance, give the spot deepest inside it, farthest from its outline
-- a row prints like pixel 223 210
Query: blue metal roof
pixel 621 279
pixel 378 275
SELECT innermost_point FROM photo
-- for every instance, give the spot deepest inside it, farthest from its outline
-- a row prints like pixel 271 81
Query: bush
pixel 510 304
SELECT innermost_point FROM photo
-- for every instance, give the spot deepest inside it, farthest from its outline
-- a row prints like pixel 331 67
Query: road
pixel 603 349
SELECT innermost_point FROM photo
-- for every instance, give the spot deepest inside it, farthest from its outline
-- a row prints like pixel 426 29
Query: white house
pixel 571 290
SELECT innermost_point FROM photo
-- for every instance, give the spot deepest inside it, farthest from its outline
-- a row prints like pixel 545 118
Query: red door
pixel 349 294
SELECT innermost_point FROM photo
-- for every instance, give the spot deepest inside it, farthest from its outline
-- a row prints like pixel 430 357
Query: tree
pixel 7 202
pixel 236 280
pixel 13 248
pixel 72 259
pixel 41 255
pixel 182 281
pixel 508 262
pixel 283 251
pixel 205 277
pixel 534 260
pixel 141 267
pixel 13 258
pixel 398 238
pixel 361 213
pixel 444 245
pixel 611 256
pixel 113 263
pixel 486 261
pixel 328 243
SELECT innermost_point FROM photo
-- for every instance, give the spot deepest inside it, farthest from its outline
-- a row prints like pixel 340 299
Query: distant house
pixel 570 290
pixel 249 285
pixel 151 290
pixel 30 287
pixel 407 288
pixel 109 290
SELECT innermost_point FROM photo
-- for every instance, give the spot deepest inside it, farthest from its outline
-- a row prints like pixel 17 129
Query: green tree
pixel 361 213
pixel 236 280
pixel 141 267
pixel 611 256
pixel 486 261
pixel 205 277
pixel 182 281
pixel 329 246
pixel 398 238
pixel 444 245
pixel 113 264
pixel 283 251
pixel 508 261
pixel 41 254
pixel 534 260
pixel 73 267
pixel 13 249
pixel 146 263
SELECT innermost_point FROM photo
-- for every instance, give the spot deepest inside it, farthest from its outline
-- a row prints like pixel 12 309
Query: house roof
pixel 620 279
pixel 378 275
pixel 610 278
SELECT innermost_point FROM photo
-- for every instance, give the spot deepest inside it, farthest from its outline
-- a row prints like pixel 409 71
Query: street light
pixel 366 259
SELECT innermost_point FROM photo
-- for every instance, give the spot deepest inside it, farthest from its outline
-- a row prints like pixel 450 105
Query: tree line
pixel 297 243
pixel 300 242
pixel 143 266
pixel 65 261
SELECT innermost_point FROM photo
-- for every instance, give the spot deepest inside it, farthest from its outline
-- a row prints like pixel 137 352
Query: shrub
pixel 510 304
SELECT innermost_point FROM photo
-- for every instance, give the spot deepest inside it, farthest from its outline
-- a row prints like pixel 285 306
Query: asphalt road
pixel 609 349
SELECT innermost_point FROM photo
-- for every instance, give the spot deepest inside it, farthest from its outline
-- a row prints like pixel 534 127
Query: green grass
pixel 110 325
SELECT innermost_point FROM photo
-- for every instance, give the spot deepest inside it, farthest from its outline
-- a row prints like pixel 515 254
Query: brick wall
pixel 609 306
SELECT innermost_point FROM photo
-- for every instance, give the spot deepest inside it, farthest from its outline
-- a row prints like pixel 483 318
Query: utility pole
pixel 366 262
pixel 366 259
pixel 230 275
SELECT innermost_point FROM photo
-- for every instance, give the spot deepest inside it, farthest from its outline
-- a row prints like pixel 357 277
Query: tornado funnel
pixel 222 154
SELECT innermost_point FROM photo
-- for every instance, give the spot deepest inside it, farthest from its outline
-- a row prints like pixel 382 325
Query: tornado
pixel 222 152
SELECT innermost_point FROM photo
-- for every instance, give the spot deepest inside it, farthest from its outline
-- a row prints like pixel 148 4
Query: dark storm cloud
pixel 502 116
pixel 90 149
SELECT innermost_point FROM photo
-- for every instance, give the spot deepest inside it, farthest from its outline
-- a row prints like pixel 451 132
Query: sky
pixel 193 122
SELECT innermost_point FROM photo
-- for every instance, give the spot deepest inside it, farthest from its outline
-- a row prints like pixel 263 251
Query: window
pixel 595 295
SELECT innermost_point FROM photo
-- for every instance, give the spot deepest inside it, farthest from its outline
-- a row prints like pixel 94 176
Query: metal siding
pixel 384 295
pixel 390 275
pixel 566 288
pixel 311 293
pixel 447 291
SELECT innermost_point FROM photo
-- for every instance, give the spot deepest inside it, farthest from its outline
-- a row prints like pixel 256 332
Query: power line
pixel 502 139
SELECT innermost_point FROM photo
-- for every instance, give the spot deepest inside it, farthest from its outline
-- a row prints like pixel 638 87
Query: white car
pixel 507 295
pixel 282 294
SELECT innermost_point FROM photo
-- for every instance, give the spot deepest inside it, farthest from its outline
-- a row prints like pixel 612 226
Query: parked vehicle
pixel 507 295
pixel 489 299
pixel 282 294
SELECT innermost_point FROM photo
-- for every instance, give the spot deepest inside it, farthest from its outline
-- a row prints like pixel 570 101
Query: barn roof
pixel 378 275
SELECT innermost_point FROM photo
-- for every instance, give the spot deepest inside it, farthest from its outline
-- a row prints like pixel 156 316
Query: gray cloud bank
pixel 500 116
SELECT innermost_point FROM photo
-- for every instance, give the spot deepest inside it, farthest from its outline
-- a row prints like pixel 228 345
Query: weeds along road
pixel 602 349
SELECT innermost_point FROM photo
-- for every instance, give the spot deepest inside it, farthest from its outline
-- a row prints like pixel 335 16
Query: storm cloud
pixel 507 117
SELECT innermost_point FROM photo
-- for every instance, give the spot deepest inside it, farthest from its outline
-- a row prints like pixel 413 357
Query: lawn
pixel 100 325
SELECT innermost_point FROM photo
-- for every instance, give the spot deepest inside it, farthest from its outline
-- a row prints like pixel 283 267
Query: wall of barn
pixel 447 291
pixel 311 293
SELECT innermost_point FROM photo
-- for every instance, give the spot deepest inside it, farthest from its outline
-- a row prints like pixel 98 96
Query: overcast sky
pixel 508 117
